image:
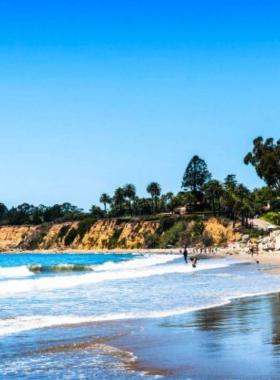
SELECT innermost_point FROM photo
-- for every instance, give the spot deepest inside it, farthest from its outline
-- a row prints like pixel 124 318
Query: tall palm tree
pixel 245 206
pixel 213 191
pixel 142 206
pixel 105 199
pixel 130 193
pixel 119 199
pixel 154 189
pixel 242 191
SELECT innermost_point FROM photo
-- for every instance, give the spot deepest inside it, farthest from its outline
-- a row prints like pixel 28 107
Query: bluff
pixel 107 234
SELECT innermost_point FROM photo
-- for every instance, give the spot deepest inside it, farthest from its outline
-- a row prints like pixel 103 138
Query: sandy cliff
pixel 13 237
pixel 103 234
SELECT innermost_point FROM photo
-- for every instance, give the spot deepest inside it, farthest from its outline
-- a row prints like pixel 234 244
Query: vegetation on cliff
pixel 202 195
pixel 115 234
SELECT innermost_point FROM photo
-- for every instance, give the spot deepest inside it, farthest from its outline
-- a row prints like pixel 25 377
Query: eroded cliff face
pixel 102 235
pixel 222 232
pixel 13 237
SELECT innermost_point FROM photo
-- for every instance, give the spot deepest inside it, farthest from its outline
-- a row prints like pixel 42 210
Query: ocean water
pixel 60 315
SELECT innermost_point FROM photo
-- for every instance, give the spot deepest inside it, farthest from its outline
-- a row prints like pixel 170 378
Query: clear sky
pixel 97 94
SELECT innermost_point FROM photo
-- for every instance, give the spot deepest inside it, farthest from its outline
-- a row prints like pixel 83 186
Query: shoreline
pixel 188 344
pixel 188 357
pixel 272 259
pixel 267 258
pixel 175 251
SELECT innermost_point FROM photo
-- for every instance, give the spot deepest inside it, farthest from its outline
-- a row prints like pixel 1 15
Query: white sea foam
pixel 29 270
pixel 143 261
pixel 144 268
pixel 21 271
pixel 193 293
pixel 19 324
pixel 15 325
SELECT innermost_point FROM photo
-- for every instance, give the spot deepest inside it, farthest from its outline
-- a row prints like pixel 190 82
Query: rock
pixel 245 238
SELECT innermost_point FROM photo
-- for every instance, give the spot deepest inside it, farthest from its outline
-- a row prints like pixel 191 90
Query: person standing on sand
pixel 186 255
pixel 256 249
pixel 252 250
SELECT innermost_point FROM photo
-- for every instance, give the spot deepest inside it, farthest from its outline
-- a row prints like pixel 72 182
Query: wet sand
pixel 240 340
pixel 237 341
pixel 271 259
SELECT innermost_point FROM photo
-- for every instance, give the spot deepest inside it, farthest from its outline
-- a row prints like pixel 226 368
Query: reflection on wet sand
pixel 240 340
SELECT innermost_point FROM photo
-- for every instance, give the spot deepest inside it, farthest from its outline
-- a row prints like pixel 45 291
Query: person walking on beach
pixel 186 255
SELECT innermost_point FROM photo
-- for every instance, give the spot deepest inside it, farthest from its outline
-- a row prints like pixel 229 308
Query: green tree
pixel 263 197
pixel 96 212
pixel 129 191
pixel 119 200
pixel 265 158
pixel 143 206
pixel 170 202
pixel 105 199
pixel 244 206
pixel 213 191
pixel 196 175
pixel 230 183
pixel 154 189
pixel 3 211
pixel 229 203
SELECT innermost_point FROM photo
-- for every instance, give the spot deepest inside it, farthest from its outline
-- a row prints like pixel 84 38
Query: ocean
pixel 86 316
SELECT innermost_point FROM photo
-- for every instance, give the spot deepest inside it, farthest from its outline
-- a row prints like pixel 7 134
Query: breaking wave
pixel 137 268
pixel 59 268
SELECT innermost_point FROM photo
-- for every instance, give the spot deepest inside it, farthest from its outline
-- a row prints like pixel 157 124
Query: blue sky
pixel 97 94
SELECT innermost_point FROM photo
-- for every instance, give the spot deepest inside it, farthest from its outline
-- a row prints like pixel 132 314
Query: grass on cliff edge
pixel 271 217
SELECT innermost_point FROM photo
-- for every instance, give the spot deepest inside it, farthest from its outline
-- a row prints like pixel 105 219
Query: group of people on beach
pixel 198 250
pixel 206 250
pixel 193 259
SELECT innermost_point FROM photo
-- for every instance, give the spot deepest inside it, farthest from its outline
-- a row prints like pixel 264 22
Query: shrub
pixel 71 236
pixel 122 242
pixel 197 229
pixel 63 232
pixel 207 239
pixel 272 217
pixel 152 241
pixel 165 224
pixel 36 241
pixel 85 226
pixel 190 218
pixel 255 234
pixel 172 236
pixel 113 242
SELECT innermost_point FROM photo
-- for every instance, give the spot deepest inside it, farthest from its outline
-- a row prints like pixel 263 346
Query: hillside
pixel 107 234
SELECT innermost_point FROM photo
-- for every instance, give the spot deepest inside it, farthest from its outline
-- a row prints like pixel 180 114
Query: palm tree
pixel 142 206
pixel 213 191
pixel 166 201
pixel 105 199
pixel 119 198
pixel 242 191
pixel 229 201
pixel 154 189
pixel 130 193
pixel 245 206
